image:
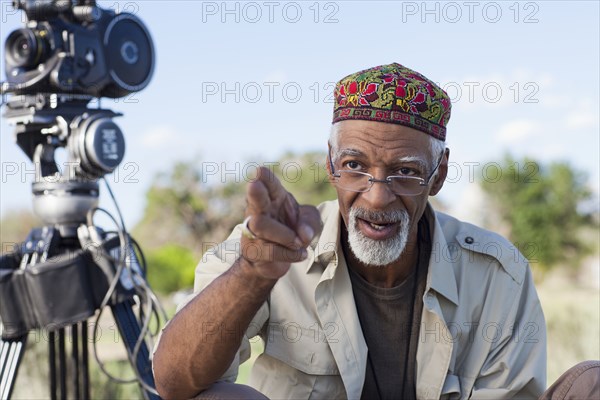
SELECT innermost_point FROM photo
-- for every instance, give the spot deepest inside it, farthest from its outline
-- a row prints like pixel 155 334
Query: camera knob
pixel 104 145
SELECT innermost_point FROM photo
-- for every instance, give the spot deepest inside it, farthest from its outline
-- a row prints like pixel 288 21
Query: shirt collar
pixel 440 276
pixel 326 248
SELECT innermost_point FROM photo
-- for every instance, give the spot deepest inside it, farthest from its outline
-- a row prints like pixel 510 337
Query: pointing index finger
pixel 271 182
pixel 266 195
pixel 257 197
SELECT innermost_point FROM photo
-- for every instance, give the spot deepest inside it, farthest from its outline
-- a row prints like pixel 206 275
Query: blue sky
pixel 237 82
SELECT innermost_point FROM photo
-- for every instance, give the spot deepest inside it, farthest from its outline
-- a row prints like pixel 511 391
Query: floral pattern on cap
pixel 396 94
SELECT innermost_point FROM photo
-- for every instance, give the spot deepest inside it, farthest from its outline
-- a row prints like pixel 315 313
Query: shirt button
pixel 469 240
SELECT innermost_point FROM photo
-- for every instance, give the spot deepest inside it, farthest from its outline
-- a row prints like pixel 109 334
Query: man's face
pixel 379 222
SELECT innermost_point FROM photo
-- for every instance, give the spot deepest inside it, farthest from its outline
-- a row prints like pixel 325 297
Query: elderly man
pixel 373 296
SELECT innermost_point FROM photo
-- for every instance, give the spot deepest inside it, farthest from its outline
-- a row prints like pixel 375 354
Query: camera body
pixel 77 48
pixel 68 53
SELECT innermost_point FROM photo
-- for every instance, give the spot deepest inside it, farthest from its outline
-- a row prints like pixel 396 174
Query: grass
pixel 573 321
pixel 244 371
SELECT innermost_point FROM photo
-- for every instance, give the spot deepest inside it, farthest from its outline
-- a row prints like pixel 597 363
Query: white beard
pixel 377 252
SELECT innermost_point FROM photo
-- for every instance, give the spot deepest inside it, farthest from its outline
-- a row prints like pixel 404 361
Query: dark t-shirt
pixel 390 319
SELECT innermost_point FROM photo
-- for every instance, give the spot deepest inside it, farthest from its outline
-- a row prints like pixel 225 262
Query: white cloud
pixel 159 136
pixel 549 151
pixel 581 119
pixel 553 101
pixel 276 76
pixel 518 131
pixel 546 80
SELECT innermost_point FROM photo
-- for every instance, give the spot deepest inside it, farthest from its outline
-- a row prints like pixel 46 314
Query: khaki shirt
pixel 482 332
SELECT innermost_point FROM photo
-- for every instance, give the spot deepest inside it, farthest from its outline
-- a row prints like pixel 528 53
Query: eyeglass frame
pixel 423 183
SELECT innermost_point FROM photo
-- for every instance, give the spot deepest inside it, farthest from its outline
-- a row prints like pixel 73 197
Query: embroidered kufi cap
pixel 395 94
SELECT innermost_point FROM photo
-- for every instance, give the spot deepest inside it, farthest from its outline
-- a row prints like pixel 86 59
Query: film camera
pixel 69 53
pixel 78 49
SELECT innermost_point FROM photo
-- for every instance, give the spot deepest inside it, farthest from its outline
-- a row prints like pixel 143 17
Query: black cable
pixel 112 196
pixel 136 244
pixel 141 253
pixel 149 305
pixel 112 287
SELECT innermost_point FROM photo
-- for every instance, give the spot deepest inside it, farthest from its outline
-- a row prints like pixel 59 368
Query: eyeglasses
pixel 356 181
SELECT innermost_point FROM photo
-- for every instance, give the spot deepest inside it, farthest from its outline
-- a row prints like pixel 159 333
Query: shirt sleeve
pixel 218 259
pixel 516 366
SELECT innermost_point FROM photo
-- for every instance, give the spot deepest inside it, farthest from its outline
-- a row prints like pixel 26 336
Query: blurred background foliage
pixel 545 209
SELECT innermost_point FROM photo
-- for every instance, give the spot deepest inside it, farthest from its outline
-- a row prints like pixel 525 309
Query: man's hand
pixel 186 364
pixel 282 229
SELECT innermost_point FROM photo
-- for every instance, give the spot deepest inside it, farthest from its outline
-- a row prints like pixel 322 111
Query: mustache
pixel 379 217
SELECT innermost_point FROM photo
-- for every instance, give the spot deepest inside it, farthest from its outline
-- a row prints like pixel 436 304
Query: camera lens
pixel 24 48
pixel 130 54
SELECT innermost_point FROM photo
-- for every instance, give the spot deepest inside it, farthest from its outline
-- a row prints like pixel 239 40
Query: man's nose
pixel 380 196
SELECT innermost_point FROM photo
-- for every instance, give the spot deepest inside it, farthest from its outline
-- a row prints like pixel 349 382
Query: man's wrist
pixel 251 274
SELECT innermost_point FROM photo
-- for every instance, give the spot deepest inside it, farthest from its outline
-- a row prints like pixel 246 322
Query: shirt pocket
pixel 298 363
pixel 304 349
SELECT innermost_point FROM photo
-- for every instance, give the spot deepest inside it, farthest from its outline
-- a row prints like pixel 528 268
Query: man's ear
pixel 440 177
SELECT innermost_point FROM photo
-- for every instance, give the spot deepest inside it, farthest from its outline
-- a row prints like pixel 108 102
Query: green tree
pixel 305 176
pixel 182 208
pixel 170 268
pixel 543 205
pixel 14 228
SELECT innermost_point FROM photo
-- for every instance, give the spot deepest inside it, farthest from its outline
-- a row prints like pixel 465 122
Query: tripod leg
pixel 11 353
pixel 75 359
pixel 52 363
pixel 130 329
pixel 62 363
pixel 85 375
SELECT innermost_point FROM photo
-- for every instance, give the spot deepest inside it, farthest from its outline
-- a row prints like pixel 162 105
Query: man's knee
pixel 230 391
pixel 580 382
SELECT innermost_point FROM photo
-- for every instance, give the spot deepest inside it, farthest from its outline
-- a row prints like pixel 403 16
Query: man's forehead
pixel 404 156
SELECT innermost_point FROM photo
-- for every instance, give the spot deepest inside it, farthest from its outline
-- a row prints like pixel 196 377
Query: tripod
pixel 67 270
pixel 55 284
pixel 68 54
